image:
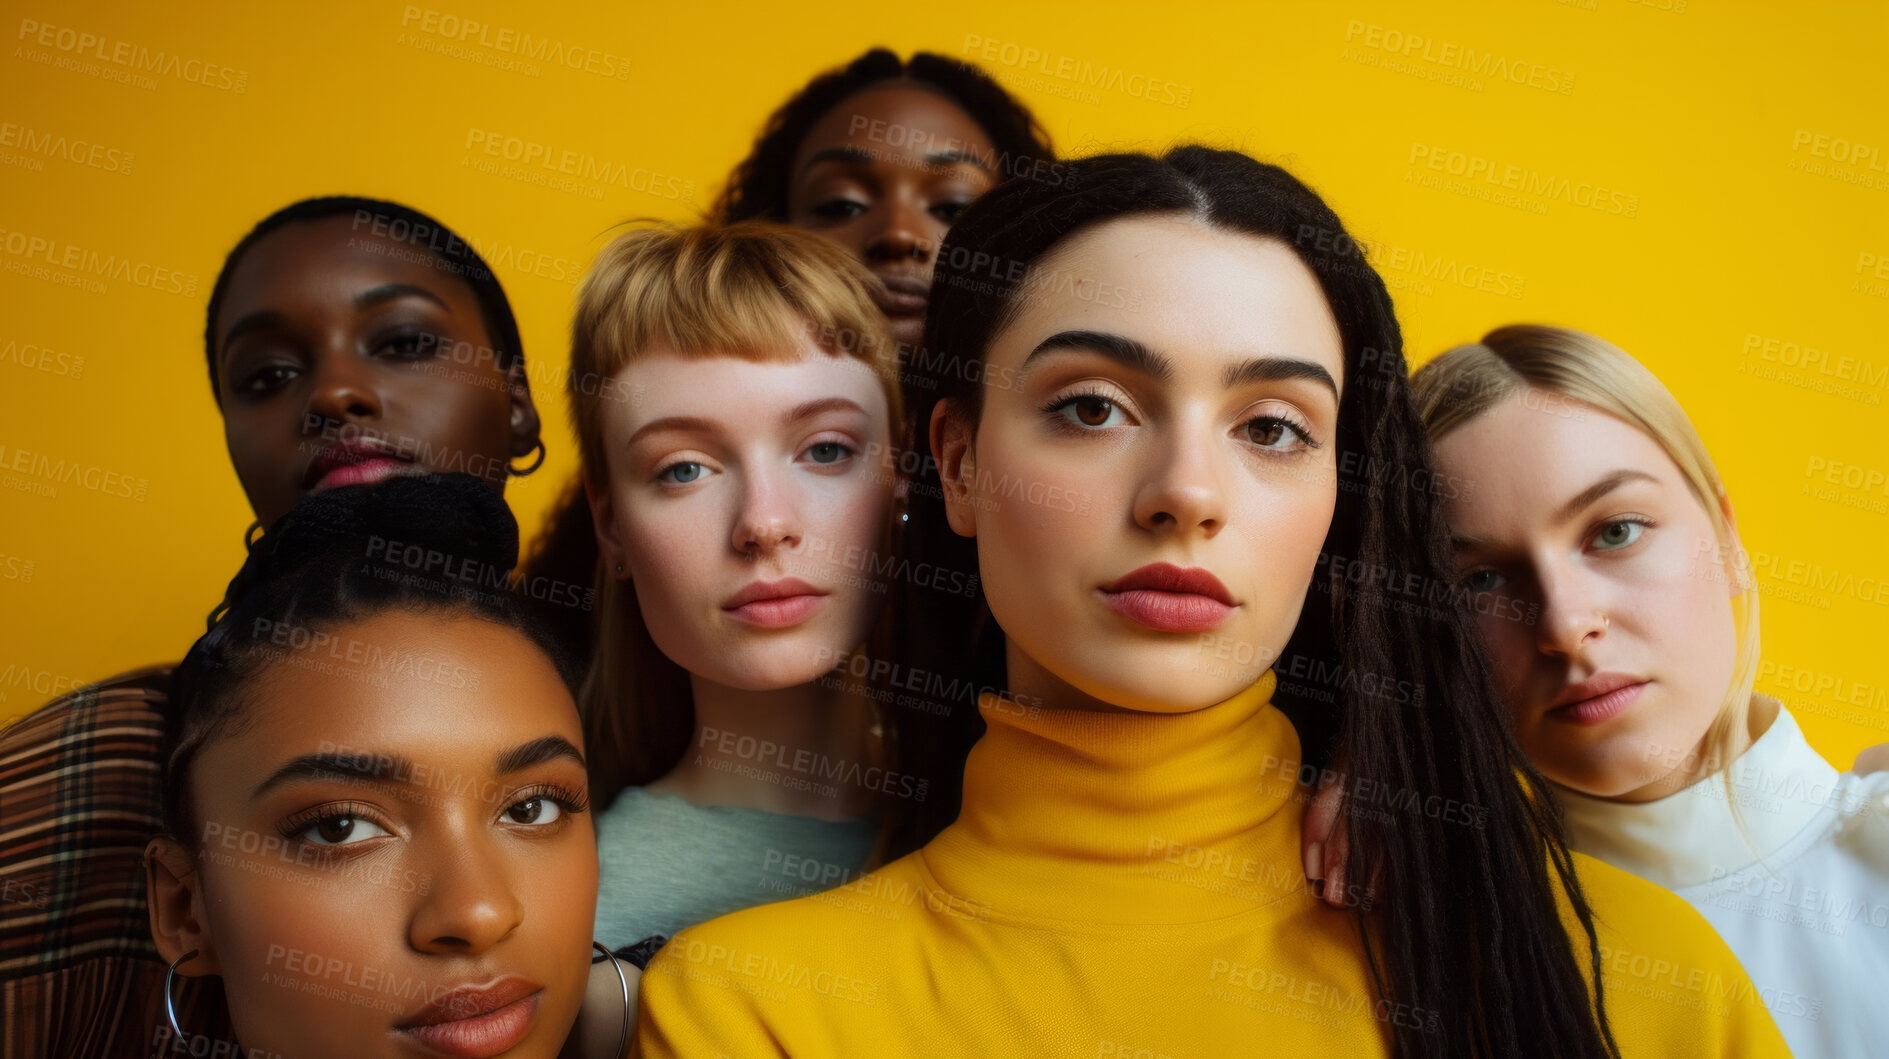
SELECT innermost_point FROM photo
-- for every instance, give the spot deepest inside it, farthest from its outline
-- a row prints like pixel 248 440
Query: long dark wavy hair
pixel 1467 922
pixel 757 190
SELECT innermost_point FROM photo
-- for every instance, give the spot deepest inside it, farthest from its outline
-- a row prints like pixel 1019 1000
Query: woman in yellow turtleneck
pixel 1168 435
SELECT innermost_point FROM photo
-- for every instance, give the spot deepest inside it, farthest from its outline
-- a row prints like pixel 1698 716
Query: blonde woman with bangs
pixel 735 394
pixel 1602 554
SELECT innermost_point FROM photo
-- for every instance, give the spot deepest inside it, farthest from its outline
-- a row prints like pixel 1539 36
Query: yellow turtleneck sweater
pixel 1127 885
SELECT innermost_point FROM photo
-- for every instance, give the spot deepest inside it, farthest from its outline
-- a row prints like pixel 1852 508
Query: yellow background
pixel 1704 113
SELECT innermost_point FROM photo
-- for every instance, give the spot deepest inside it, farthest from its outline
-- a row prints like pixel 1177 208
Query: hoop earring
pixel 170 1003
pixel 535 464
pixel 251 534
pixel 623 1035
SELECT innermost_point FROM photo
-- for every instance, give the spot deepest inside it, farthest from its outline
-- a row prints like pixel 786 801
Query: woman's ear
pixel 527 427
pixel 951 439
pixel 603 520
pixel 173 890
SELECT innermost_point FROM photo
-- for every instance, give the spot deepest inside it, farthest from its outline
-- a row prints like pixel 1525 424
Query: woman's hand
pixel 1872 759
pixel 1324 845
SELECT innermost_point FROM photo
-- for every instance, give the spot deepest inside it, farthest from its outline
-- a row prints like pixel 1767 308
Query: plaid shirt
pixel 79 974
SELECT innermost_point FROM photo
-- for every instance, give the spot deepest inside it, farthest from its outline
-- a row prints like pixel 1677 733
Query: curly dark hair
pixel 757 189
pixel 329 562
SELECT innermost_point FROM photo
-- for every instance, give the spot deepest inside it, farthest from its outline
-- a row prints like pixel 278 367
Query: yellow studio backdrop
pixel 1704 182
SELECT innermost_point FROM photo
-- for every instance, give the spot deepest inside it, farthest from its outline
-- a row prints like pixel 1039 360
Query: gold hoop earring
pixel 516 472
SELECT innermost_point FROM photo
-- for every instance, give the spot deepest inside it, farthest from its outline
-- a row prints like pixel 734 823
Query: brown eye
pixel 1087 411
pixel 1093 411
pixel 340 829
pixel 1278 435
pixel 534 810
pixel 1267 432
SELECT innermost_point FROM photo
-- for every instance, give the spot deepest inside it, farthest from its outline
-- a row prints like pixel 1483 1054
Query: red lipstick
pixel 1168 598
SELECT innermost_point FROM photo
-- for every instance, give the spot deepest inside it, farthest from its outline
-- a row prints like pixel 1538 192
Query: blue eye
pixel 1615 535
pixel 829 452
pixel 1484 580
pixel 681 473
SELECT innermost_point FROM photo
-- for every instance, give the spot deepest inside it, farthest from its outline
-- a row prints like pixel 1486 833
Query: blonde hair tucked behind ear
pixel 1467 381
pixel 754 290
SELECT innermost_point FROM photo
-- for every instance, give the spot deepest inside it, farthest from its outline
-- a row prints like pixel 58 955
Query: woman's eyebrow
pixel 1121 349
pixel 676 423
pixel 1276 369
pixel 263 319
pixel 327 765
pixel 1136 356
pixel 395 769
pixel 259 320
pixel 820 406
pixel 937 159
pixel 849 155
pixel 1607 484
pixel 387 292
pixel 537 752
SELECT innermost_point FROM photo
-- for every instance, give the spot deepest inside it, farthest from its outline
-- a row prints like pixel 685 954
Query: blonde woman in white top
pixel 1598 544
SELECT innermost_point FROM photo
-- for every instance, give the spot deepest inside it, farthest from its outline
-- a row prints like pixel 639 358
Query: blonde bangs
pixel 753 290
